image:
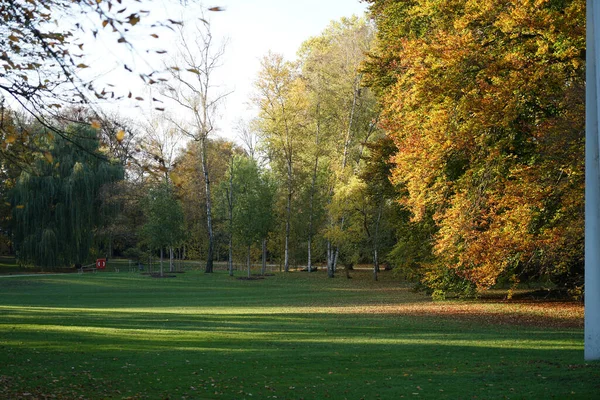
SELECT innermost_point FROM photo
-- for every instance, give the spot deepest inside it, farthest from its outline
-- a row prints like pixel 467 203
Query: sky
pixel 251 28
pixel 254 27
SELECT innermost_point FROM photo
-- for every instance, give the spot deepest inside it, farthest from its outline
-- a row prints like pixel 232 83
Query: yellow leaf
pixel 120 135
pixel 82 66
pixel 10 139
pixel 48 157
pixel 20 206
pixel 96 124
pixel 194 71
pixel 133 19
pixel 177 181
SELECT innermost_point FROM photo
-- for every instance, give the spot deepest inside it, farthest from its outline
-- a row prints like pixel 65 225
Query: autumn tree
pixel 192 89
pixel 484 101
pixel 342 110
pixel 281 107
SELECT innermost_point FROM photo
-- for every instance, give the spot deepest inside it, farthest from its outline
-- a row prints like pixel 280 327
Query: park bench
pixel 88 268
pixel 99 264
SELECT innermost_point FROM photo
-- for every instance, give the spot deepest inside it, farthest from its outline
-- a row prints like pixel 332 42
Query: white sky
pixel 253 27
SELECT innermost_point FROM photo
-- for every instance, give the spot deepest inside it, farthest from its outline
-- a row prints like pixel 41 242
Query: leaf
pixel 133 19
pixel 48 157
pixel 154 35
pixel 82 66
pixel 96 124
pixel 193 70
pixel 20 206
pixel 176 179
pixel 10 139
pixel 216 9
pixel 120 135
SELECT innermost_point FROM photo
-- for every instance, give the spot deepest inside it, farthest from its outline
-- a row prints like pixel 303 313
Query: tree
pixel 252 211
pixel 191 88
pixel 281 105
pixel 164 220
pixel 43 61
pixel 484 102
pixel 342 110
pixel 55 202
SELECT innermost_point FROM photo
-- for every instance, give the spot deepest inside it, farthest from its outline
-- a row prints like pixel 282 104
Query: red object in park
pixel 101 263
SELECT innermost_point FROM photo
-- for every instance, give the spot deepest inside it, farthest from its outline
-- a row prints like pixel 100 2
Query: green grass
pixel 290 336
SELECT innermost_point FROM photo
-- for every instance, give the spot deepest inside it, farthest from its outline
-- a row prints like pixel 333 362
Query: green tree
pixel 252 216
pixel 164 220
pixel 55 201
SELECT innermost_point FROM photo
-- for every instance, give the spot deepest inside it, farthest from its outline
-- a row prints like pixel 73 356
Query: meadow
pixel 126 335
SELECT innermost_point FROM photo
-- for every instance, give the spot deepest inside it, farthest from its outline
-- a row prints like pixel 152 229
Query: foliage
pixel 485 103
pixel 164 218
pixel 42 59
pixel 55 202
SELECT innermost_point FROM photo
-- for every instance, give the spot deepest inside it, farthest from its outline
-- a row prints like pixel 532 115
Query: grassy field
pixel 288 336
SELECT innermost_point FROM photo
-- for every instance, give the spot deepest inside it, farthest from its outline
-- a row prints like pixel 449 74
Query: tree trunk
pixel 230 209
pixel 209 257
pixel 330 270
pixel 248 261
pixel 312 190
pixel 264 256
pixel 376 240
pixel 288 211
pixel 161 261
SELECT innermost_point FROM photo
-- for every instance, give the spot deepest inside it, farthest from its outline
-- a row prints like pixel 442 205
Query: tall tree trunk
pixel 376 240
pixel 230 256
pixel 170 259
pixel 288 213
pixel 264 256
pixel 209 257
pixel 230 209
pixel 330 252
pixel 161 261
pixel 312 191
pixel 248 261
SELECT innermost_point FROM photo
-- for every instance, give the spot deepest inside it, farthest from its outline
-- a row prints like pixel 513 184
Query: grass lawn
pixel 289 336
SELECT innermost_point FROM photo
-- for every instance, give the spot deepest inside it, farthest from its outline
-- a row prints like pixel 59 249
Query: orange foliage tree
pixel 485 103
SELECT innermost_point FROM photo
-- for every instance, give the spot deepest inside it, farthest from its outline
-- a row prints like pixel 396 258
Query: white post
pixel 592 187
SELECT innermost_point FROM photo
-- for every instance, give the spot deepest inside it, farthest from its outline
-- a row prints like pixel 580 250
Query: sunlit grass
pixel 120 335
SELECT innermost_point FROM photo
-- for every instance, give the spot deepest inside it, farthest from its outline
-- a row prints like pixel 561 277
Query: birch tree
pixel 281 103
pixel 192 89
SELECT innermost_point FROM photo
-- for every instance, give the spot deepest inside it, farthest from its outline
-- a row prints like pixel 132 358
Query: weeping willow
pixel 55 202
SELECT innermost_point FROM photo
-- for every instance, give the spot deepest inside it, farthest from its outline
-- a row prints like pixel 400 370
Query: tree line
pixel 441 139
